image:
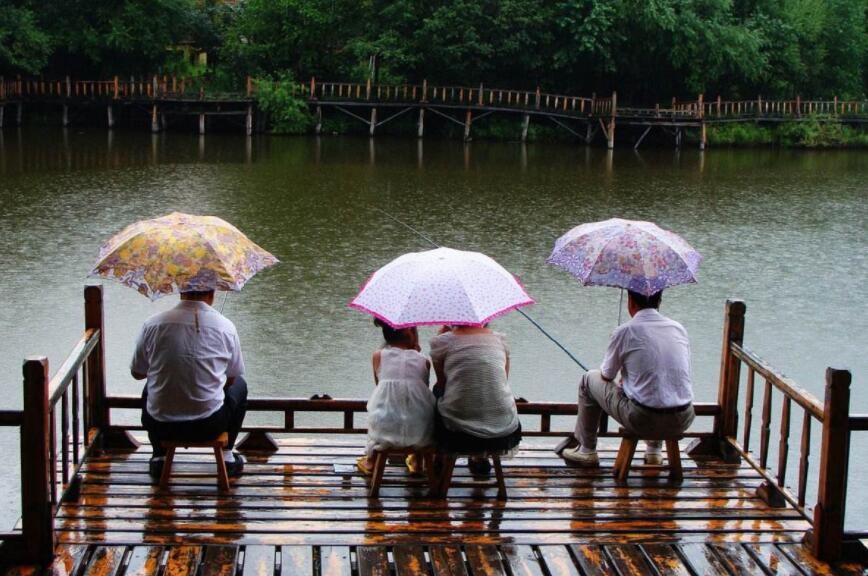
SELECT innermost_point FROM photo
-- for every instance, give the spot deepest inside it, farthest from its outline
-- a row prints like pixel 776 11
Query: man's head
pixel 637 301
pixel 206 296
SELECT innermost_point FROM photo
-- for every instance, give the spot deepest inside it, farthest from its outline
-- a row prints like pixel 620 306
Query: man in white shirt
pixel 191 358
pixel 654 399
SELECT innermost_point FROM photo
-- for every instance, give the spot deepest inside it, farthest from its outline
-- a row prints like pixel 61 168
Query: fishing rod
pixel 519 310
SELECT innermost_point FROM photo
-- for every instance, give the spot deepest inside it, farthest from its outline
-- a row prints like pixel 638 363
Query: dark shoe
pixel 155 467
pixel 479 466
pixel 234 469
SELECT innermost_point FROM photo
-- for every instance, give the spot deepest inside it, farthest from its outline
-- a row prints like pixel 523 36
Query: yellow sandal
pixel 364 466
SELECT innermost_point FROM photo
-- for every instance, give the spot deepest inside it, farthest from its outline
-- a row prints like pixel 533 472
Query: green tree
pixel 102 37
pixel 24 46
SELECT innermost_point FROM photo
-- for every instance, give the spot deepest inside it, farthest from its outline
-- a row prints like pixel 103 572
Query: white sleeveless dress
pixel 401 408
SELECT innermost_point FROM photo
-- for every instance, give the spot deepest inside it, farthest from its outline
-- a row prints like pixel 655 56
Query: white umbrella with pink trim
pixel 441 286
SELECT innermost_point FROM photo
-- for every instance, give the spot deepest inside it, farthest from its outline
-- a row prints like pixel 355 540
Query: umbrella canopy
pixel 441 286
pixel 632 254
pixel 181 252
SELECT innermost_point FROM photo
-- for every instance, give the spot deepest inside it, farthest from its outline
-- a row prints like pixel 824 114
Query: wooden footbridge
pixel 89 507
pixel 375 105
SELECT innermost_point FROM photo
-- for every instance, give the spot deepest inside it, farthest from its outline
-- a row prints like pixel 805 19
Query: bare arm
pixel 375 361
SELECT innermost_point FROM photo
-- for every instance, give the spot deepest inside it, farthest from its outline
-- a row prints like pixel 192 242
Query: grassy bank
pixel 810 133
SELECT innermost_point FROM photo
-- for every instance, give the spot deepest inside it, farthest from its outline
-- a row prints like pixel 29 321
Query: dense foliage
pixel 647 50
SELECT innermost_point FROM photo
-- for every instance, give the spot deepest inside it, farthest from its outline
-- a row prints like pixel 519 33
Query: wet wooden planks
pixel 465 560
pixel 309 493
pixel 304 510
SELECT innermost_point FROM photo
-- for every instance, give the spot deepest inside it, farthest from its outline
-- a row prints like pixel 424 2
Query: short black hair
pixel 197 293
pixel 642 301
pixel 392 335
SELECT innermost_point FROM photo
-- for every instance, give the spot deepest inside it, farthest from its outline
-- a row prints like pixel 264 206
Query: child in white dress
pixel 401 408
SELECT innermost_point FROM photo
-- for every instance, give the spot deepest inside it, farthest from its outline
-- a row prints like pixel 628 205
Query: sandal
pixel 364 466
pixel 414 466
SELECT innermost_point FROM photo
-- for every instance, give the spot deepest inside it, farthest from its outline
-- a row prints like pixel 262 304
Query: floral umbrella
pixel 181 252
pixel 441 286
pixel 632 254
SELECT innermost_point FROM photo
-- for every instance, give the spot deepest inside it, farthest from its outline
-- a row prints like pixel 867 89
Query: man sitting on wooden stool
pixel 654 400
pixel 191 358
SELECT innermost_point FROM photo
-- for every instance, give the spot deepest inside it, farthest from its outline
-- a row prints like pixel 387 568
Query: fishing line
pixel 519 310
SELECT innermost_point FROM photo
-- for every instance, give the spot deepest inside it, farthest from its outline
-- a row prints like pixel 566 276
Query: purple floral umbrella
pixel 441 286
pixel 636 255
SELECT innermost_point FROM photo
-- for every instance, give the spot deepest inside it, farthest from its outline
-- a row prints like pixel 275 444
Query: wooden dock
pixel 304 510
pixel 90 508
pixel 374 105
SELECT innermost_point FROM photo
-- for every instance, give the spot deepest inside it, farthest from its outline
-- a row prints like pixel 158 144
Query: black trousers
pixel 228 419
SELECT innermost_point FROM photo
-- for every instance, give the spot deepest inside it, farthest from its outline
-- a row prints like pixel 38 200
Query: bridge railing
pixel 117 88
pixel 827 535
pixel 51 458
pixel 774 109
pixel 464 96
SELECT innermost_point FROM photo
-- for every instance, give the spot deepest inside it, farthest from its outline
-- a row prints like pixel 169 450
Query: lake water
pixel 783 230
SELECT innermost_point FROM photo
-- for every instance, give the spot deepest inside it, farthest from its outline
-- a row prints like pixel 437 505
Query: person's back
pixel 188 353
pixel 654 360
pixel 477 398
pixel 401 408
pixel 190 357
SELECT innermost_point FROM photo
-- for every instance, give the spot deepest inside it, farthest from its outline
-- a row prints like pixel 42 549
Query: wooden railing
pixel 141 88
pixel 827 535
pixel 795 109
pixel 50 459
pixel 76 396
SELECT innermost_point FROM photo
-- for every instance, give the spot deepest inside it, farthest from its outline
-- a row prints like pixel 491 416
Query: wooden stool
pixel 381 457
pixel 449 467
pixel 628 448
pixel 217 444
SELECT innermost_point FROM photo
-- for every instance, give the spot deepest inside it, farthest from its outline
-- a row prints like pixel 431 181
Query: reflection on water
pixel 784 230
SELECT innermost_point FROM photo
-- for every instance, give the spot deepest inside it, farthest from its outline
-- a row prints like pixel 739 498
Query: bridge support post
pixel 525 122
pixel 201 124
pixel 318 127
pixel 19 113
pixel 468 119
pixel 678 137
pixel 702 136
pixel 248 121
pixel 373 123
pixel 2 111
pixel 610 134
pixel 420 124
pixel 64 120
pixel 155 119
pixel 110 116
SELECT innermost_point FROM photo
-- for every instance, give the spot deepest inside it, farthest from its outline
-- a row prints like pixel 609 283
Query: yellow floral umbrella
pixel 181 252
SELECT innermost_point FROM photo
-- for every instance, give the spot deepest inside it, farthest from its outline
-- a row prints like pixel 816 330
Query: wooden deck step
pixel 440 560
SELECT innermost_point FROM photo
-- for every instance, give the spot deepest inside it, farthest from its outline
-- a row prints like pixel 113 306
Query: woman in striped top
pixel 476 411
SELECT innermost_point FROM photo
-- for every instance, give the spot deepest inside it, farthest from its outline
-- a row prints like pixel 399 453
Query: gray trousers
pixel 597 395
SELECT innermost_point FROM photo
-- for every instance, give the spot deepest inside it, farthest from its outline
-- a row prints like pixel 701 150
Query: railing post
pixel 368 90
pixel 798 105
pixel 730 371
pixel 36 507
pixel 98 416
pixel 826 538
pixel 424 90
pixel 249 87
pixel 537 97
pixel 68 87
